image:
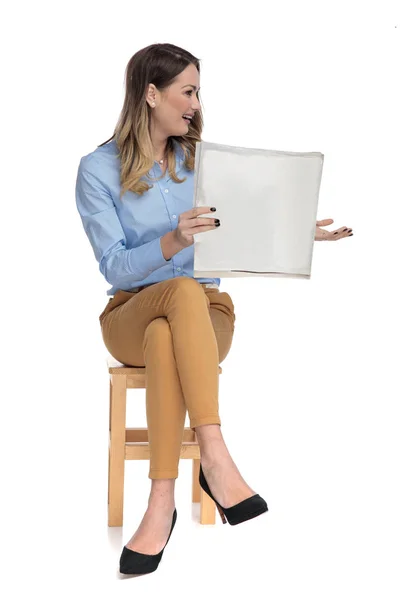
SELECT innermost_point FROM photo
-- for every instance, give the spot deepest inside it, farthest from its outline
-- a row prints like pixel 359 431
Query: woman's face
pixel 179 99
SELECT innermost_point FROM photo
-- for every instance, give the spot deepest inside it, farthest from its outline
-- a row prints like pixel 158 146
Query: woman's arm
pixel 170 245
pixel 106 235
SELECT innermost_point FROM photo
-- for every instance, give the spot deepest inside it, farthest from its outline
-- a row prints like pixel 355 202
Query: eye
pixel 191 92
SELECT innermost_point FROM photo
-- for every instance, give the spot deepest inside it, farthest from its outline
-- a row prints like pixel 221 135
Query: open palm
pixel 323 234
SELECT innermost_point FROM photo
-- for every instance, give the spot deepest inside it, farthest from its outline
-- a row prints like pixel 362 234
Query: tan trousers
pixel 180 331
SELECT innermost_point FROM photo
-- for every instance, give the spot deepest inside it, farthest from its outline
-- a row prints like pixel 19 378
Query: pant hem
pixel 154 474
pixel 211 420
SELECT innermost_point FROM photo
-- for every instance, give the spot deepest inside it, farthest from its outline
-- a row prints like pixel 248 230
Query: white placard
pixel 267 202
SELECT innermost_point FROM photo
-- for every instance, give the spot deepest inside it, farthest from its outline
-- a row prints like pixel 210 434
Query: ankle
pixel 208 434
pixel 211 443
pixel 165 510
pixel 216 457
pixel 162 494
pixel 160 504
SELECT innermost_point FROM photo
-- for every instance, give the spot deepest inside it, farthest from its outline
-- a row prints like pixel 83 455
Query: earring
pixel 153 104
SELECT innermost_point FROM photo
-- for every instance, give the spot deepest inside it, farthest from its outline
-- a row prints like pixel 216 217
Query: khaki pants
pixel 180 331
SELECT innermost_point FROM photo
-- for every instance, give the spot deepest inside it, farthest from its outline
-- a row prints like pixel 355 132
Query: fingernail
pixel 217 224
pixel 216 221
pixel 213 209
pixel 350 234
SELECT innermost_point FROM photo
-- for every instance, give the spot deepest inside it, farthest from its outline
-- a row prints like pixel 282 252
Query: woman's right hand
pixel 190 223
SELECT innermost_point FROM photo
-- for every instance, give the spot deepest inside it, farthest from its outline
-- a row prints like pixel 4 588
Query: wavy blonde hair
pixel 159 64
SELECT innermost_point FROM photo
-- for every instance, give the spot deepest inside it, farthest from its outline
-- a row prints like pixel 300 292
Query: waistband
pixel 137 289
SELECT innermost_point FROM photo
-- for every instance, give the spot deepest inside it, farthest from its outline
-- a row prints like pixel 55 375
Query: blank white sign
pixel 267 202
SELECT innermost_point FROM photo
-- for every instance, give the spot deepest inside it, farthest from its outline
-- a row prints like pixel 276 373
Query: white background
pixel 309 394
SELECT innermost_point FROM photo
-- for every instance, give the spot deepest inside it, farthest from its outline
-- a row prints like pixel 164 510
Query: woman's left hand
pixel 323 234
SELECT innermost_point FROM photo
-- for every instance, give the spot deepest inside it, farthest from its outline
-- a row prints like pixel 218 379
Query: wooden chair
pixel 131 443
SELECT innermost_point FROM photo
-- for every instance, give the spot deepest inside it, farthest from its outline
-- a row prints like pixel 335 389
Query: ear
pixel 151 93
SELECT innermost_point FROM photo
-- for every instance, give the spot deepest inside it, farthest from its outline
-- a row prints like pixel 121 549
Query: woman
pixel 159 315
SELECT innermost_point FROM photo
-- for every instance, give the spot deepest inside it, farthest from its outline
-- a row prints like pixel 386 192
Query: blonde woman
pixel 134 194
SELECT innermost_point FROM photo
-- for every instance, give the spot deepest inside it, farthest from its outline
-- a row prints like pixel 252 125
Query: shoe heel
pixel 221 512
pixel 204 485
pixel 242 511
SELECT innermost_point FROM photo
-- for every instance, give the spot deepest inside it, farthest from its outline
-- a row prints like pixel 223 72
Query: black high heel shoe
pixel 243 511
pixel 136 563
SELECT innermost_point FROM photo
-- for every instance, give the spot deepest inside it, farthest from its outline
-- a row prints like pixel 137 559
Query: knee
pixel 158 327
pixel 185 283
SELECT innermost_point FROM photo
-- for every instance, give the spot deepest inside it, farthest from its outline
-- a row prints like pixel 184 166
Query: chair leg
pixel 207 509
pixel 195 480
pixel 116 468
pixel 109 444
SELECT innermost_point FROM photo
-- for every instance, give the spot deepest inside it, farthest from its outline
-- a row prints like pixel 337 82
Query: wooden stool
pixel 131 443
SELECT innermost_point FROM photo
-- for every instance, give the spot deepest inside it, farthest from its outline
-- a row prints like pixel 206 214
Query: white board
pixel 267 203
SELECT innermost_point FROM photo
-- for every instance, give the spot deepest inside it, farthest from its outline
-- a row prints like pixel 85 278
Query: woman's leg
pixel 223 477
pixel 181 332
pixel 160 332
pixel 165 405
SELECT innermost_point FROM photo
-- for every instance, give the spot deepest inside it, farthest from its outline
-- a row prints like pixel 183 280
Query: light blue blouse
pixel 125 233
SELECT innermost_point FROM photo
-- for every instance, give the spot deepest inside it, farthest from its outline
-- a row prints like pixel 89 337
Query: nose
pixel 196 106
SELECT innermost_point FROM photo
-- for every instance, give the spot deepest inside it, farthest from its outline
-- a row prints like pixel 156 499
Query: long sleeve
pixel 101 223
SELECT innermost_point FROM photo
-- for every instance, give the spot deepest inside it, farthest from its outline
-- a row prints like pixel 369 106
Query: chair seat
pixel 118 368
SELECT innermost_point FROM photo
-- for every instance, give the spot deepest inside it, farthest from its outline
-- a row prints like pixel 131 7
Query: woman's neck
pixel 160 151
